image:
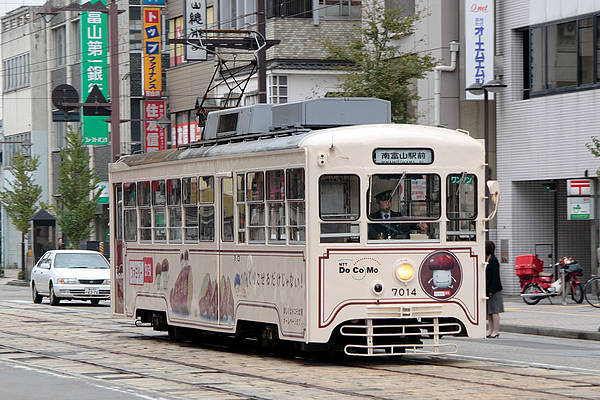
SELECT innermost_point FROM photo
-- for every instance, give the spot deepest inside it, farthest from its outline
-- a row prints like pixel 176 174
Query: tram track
pixel 99 322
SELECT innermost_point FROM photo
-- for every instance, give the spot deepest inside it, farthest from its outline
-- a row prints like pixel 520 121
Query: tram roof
pixel 378 135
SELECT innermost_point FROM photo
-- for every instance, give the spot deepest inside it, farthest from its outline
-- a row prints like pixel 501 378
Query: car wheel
pixel 95 302
pixel 54 300
pixel 35 296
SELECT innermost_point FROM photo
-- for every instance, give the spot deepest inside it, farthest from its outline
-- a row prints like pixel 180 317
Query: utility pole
pixel 115 115
pixel 262 54
pixel 113 39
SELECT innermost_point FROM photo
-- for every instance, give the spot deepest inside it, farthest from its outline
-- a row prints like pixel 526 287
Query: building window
pixel 14 145
pixel 59 42
pixel 340 8
pixel 210 18
pixel 176 31
pixel 76 40
pixel 289 9
pixel 16 72
pixel 278 89
pixel 559 56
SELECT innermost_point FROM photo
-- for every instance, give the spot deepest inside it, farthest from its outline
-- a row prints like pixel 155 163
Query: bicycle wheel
pixel 532 288
pixel 591 292
pixel 577 293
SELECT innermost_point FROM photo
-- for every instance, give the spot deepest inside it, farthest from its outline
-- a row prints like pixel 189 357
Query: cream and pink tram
pixel 275 226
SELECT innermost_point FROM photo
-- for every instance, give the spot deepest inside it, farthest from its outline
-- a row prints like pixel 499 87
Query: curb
pixel 554 332
pixel 17 282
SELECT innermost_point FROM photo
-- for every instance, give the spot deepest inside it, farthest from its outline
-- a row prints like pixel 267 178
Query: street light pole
pixel 477 88
pixel 115 118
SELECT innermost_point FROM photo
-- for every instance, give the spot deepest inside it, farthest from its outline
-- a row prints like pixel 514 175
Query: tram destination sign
pixel 403 156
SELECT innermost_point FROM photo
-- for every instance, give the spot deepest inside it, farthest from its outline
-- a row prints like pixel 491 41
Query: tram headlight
pixel 405 272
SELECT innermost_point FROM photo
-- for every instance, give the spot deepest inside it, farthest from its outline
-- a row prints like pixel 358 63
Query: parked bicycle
pixel 591 291
pixel 536 284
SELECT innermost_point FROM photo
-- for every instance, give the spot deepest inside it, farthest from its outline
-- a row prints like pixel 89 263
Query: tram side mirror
pixel 494 188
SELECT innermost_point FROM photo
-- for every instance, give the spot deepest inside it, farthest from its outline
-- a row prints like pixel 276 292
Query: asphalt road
pixel 514 354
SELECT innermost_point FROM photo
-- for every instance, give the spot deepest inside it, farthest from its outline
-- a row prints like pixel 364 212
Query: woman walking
pixel 493 289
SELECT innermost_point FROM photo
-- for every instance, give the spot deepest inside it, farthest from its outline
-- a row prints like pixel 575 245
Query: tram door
pixel 228 258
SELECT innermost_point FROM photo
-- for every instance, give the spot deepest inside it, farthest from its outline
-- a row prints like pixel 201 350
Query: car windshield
pixel 80 260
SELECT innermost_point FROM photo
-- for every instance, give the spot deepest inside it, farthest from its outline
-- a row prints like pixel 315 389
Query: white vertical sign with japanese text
pixel 479 44
pixel 195 19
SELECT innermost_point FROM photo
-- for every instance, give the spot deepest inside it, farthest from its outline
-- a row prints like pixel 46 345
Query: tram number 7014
pixel 404 292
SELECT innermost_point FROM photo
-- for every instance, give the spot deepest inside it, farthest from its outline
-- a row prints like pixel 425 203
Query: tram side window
pixel 256 206
pixel 130 211
pixel 143 191
pixel 159 199
pixel 206 211
pixel 130 224
pixel 227 206
pixel 276 206
pixel 296 205
pixel 174 206
pixel 339 200
pixel 118 190
pixel 189 197
pixel 461 205
pixel 241 207
pixel 129 199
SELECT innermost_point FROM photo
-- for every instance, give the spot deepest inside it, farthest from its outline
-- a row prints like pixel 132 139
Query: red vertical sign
pixel 148 275
pixel 155 135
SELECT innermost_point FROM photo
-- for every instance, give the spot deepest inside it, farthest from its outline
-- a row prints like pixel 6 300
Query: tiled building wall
pixel 301 39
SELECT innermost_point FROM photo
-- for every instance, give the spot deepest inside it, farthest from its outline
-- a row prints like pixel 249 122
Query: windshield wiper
pixel 398 184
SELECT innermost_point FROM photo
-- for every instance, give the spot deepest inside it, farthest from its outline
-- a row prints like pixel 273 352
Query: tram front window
pixel 461 207
pixel 411 201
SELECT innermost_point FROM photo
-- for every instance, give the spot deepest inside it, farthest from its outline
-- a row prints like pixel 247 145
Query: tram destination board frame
pixel 396 156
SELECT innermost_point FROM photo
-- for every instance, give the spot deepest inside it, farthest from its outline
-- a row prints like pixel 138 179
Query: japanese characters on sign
pixel 152 53
pixel 155 135
pixel 479 43
pixel 153 2
pixel 195 19
pixel 94 71
pixel 403 156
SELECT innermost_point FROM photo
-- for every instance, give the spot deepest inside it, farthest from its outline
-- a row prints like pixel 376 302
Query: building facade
pixel 549 52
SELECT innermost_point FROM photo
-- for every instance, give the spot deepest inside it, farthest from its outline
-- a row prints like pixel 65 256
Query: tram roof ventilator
pixel 321 113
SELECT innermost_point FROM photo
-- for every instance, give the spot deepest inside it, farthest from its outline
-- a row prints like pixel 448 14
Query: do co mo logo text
pixel 358 269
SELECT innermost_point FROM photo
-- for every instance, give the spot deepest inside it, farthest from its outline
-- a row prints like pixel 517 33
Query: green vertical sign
pixel 94 71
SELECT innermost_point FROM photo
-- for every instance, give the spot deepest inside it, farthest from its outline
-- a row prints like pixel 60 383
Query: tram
pixel 318 223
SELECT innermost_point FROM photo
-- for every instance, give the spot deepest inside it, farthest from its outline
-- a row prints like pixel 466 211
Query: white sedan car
pixel 71 274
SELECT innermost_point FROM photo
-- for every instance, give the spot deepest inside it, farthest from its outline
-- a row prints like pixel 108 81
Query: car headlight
pixel 405 272
pixel 107 281
pixel 67 281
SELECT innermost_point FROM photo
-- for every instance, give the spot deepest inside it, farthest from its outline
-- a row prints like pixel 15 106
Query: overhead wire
pixel 130 51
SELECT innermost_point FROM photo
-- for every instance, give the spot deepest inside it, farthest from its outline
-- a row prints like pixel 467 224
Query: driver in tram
pixel 390 230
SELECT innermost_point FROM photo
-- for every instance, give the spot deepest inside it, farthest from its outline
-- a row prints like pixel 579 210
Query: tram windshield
pixel 395 199
pixel 404 197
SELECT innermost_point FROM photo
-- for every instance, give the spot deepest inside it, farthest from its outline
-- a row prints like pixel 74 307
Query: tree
pixel 21 196
pixel 77 191
pixel 594 148
pixel 378 68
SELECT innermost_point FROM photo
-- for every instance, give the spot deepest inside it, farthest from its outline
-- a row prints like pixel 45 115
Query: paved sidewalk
pixel 575 321
pixel 10 278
